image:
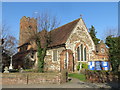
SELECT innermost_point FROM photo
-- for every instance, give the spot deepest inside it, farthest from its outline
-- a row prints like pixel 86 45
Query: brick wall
pixel 32 78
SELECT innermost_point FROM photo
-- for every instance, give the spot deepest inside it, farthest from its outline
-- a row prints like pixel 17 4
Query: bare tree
pixel 8 42
pixel 8 45
pixel 45 23
pixel 110 32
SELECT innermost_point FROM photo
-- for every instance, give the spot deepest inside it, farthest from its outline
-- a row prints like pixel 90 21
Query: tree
pixel 114 50
pixel 8 42
pixel 8 45
pixel 93 33
pixel 45 23
pixel 108 32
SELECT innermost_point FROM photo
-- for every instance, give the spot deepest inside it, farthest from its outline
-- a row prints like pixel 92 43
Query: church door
pixel 66 60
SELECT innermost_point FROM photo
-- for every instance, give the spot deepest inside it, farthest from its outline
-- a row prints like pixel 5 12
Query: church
pixel 71 44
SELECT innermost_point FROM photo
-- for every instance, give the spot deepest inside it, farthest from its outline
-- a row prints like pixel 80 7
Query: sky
pixel 102 15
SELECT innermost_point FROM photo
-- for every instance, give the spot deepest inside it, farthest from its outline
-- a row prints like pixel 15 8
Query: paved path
pixel 74 83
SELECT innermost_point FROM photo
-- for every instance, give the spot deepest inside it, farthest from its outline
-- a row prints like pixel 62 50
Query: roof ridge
pixel 64 24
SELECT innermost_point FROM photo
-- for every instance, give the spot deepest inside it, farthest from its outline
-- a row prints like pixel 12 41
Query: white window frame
pixel 79 52
pixel 83 53
pixel 53 55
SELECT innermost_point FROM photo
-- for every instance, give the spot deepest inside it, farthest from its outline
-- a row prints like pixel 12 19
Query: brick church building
pixel 70 44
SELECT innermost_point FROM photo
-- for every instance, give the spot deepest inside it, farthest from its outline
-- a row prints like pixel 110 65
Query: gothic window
pixel 81 52
pixel 85 54
pixel 54 55
pixel 78 53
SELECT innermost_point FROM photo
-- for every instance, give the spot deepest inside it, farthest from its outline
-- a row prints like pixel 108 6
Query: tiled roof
pixel 60 35
pixel 24 45
pixel 21 55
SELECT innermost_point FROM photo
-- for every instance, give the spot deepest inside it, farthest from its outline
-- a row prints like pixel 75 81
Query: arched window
pixel 81 52
pixel 85 54
pixel 78 53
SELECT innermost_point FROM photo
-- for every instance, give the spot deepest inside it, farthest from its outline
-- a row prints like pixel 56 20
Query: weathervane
pixel 80 15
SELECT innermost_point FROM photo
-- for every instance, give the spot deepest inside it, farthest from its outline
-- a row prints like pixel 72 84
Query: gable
pixel 80 34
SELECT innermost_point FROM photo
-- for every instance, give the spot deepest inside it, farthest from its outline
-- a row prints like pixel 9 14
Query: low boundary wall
pixel 33 78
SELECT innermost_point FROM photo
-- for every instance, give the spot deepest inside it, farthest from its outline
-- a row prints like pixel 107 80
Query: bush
pixel 78 66
pixel 100 76
pixel 29 70
pixel 13 70
pixel 85 65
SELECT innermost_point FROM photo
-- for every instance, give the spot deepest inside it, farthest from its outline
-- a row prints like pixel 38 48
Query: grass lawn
pixel 78 76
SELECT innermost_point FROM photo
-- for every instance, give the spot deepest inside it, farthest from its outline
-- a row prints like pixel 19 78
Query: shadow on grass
pixel 78 76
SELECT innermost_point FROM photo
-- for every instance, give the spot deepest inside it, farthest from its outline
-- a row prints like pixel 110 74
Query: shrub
pixel 85 65
pixel 100 76
pixel 78 66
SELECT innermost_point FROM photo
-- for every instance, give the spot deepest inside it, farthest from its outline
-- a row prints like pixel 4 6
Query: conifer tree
pixel 93 33
pixel 114 52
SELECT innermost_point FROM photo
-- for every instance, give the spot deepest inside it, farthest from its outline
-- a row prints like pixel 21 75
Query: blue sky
pixel 102 15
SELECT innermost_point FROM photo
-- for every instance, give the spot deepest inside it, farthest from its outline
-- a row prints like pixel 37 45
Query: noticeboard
pixel 98 65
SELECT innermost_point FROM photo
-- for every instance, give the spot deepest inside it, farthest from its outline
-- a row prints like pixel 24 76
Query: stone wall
pixel 51 65
pixel 32 78
pixel 80 36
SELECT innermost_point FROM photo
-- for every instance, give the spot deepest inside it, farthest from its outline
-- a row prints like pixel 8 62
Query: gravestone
pixel 6 70
pixel 21 70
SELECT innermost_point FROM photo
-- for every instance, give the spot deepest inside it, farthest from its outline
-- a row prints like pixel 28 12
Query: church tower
pixel 27 26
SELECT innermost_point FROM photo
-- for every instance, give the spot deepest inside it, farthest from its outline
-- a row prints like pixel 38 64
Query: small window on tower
pixel 30 27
